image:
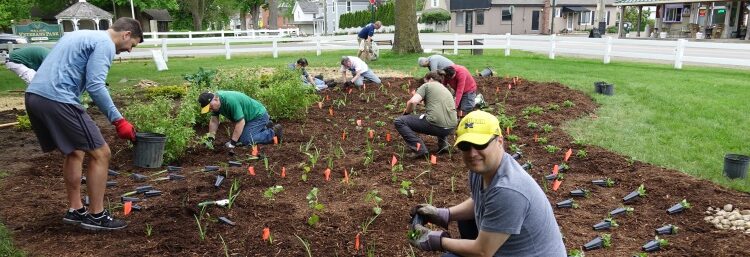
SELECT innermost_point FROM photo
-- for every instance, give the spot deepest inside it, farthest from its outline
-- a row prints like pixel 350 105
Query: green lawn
pixel 683 119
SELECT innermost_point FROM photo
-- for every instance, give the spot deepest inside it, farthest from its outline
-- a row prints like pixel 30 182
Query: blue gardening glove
pixel 428 240
pixel 431 214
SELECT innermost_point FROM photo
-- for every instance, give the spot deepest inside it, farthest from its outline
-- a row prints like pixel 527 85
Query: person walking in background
pixel 368 31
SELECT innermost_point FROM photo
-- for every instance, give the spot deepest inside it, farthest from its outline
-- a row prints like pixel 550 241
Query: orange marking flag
pixel 283 172
pixel 418 146
pixel 346 176
pixel 359 123
pixel 433 159
pixel 327 173
pixel 556 185
pixel 356 242
pixel 251 170
pixel 388 137
pixel 275 140
pixel 127 207
pixel 255 149
pixel 372 134
pixel 555 169
pixel 567 154
pixel 266 234
pixel 393 161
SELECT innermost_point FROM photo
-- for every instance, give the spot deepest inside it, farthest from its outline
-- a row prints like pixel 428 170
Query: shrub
pixel 435 15
pixel 201 78
pixel 174 92
pixel 160 116
pixel 23 122
pixel 384 14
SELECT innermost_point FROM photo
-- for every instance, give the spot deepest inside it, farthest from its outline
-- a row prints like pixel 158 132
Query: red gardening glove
pixel 125 130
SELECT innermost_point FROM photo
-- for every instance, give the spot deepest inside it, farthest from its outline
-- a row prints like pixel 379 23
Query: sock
pixel 71 209
pixel 81 210
pixel 97 215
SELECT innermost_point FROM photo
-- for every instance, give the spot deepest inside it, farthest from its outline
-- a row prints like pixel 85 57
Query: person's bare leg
pixel 96 178
pixel 72 166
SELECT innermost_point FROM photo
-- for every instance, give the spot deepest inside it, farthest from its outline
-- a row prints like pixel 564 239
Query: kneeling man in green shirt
pixel 250 118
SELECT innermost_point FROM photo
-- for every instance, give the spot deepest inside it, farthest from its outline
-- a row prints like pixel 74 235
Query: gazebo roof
pixel 83 10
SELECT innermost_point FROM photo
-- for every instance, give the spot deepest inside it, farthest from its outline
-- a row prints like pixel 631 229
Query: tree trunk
pixel 255 11
pixel 273 14
pixel 197 9
pixel 547 15
pixel 197 21
pixel 243 19
pixel 406 38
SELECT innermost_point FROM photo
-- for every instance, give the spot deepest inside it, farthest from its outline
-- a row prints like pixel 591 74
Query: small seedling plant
pixel 315 207
pixel 547 128
pixel 369 154
pixel 551 148
pixel 206 140
pixel 607 182
pixel 542 140
pixel 568 104
pixel 234 192
pixel 149 230
pixel 271 192
pixel 374 198
pixel 679 207
pixel 532 125
pixel 511 138
pixel 640 192
pixel 201 229
pixel 581 154
pixel 576 253
pixel 406 188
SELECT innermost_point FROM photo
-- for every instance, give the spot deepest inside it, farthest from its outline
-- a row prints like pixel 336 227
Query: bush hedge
pixel 435 15
pixel 384 14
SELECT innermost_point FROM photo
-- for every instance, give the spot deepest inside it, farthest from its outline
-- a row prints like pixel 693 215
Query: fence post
pixel 222 35
pixel 507 44
pixel 153 35
pixel 228 51
pixel 252 33
pixel 190 36
pixel 455 44
pixel 164 49
pixel 275 48
pixel 679 53
pixel 317 45
pixel 552 45
pixel 608 50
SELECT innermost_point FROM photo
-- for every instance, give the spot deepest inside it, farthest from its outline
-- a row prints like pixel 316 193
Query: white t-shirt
pixel 358 65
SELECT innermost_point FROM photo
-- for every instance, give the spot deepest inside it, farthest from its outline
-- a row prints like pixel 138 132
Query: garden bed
pixel 33 201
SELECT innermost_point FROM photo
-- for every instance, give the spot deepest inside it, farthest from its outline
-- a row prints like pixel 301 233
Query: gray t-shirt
pixel 438 62
pixel 514 204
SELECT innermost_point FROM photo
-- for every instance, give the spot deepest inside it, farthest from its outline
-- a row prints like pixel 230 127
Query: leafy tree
pixel 631 15
pixel 14 10
pixel 435 15
pixel 406 38
pixel 198 10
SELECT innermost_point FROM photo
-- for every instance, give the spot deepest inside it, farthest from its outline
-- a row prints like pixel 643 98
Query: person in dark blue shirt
pixel 368 31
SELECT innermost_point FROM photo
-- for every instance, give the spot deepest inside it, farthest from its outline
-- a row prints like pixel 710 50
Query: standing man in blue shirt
pixel 80 62
pixel 368 31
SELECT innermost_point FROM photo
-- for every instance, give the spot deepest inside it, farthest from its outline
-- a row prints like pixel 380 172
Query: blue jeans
pixel 369 75
pixel 319 84
pixel 256 132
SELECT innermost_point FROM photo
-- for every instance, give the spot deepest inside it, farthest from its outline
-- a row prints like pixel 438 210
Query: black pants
pixel 409 125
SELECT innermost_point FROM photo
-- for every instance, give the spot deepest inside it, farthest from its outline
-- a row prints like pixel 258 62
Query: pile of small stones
pixel 729 218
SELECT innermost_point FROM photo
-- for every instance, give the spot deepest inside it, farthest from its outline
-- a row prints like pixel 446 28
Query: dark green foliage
pixel 384 14
pixel 435 15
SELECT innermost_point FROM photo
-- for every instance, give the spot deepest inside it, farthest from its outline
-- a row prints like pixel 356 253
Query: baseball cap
pixel 477 127
pixel 204 100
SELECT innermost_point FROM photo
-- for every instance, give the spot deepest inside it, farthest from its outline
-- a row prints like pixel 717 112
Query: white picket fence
pixel 675 52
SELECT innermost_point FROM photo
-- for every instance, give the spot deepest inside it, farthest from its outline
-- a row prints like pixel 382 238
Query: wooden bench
pixel 460 42
pixel 384 42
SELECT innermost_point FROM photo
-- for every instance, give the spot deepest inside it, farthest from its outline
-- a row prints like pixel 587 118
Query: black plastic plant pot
pixel 677 208
pixel 136 207
pixel 517 155
pixel 219 180
pixel 152 193
pixel 143 189
pixel 598 86
pixel 417 219
pixel 526 166
pixel 551 177
pixel 603 225
pixel 566 204
pixel 138 177
pixel 225 220
pixel 112 173
pixel 651 246
pixel 562 167
pixel 210 168
pixel 176 177
pixel 111 183
pixel 596 243
pixel 602 183
pixel 631 197
pixel 667 230
pixel 129 199
pixel 234 164
pixel 618 211
pixel 174 168
pixel 579 193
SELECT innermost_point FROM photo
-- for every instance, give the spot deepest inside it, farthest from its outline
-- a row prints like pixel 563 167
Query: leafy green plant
pixel 511 138
pixel 23 122
pixel 553 107
pixel 206 141
pixel 581 153
pixel 369 154
pixel 551 148
pixel 406 188
pixel 542 140
pixel 435 15
pixel 157 116
pixel 379 123
pixel 506 121
pixel 576 253
pixel 234 192
pixel 149 230
pixel 201 229
pixel 547 128
pixel 606 240
pixel 226 249
pixel 373 196
pixel 271 192
pixel 514 148
pixel 315 206
pixel 305 244
pixel 532 110
pixel 532 125
pixel 202 78
pixel 568 104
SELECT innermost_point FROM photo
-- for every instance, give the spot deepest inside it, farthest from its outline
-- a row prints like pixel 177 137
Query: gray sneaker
pixel 103 222
pixel 74 217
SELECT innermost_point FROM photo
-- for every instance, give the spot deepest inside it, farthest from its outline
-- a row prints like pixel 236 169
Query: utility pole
pixel 554 15
pixel 132 9
pixel 601 18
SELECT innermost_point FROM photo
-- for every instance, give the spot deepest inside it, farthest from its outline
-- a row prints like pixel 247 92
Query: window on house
pixel 558 12
pixel 480 17
pixel 673 14
pixel 584 18
pixel 348 6
pixel 435 3
pixel 507 15
pixel 459 18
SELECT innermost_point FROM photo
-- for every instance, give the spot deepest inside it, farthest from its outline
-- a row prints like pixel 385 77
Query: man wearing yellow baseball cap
pixel 508 214
pixel 250 118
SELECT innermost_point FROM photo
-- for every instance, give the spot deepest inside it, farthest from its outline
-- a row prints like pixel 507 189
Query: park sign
pixel 39 31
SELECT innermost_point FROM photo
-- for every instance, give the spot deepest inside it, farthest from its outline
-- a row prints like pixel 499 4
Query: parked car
pixel 13 39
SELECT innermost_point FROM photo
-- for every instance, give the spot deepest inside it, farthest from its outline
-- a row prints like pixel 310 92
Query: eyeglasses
pixel 465 146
